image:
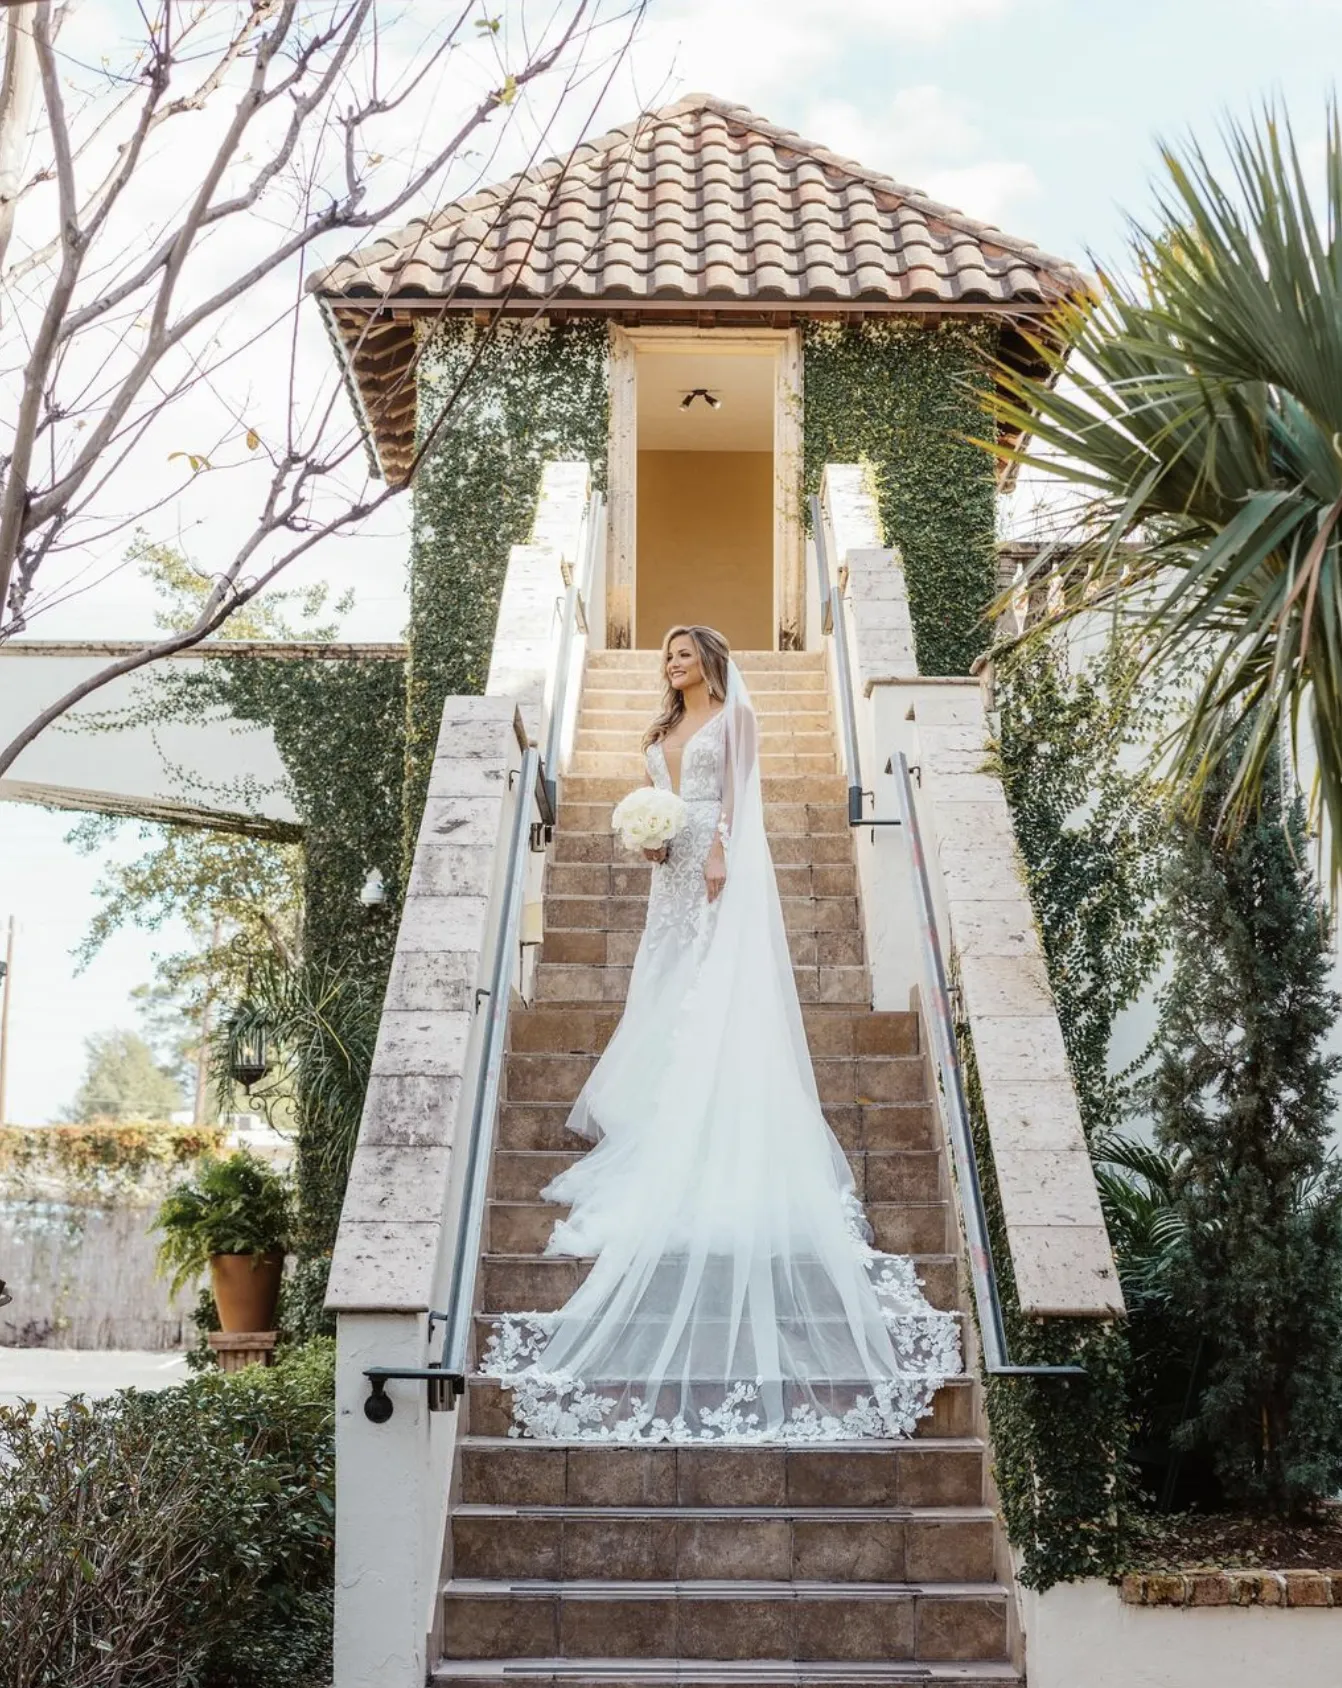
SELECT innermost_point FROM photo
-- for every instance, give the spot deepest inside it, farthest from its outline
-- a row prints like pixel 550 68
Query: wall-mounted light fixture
pixel 710 399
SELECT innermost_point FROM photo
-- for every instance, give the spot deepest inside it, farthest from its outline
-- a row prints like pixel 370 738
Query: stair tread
pixel 809 1514
pixel 727 1588
pixel 865 1447
pixel 707 1673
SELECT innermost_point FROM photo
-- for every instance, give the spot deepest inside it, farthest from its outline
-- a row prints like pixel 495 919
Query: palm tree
pixel 1203 419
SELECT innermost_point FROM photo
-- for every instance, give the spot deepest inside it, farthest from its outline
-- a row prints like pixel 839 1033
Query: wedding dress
pixel 734 1293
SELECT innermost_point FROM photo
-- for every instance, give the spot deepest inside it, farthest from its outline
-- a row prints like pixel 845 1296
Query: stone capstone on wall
pixel 392 1223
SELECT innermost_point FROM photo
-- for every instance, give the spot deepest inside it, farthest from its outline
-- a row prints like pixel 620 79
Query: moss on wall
pixel 901 399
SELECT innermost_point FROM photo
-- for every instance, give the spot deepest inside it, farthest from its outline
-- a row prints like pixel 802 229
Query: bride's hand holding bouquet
pixel 647 820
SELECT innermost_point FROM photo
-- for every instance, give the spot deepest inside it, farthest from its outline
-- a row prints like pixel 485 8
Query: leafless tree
pixel 159 211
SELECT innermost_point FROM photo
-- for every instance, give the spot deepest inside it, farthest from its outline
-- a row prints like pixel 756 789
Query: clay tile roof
pixel 702 203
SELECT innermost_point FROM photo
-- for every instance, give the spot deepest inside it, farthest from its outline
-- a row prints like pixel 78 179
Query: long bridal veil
pixel 734 1293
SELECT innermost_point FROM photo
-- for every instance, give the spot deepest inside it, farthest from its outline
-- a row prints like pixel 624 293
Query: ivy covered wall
pixel 903 399
pixel 340 730
pixel 537 392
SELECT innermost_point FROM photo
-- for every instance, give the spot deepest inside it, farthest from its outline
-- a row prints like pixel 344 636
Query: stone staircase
pixel 582 1563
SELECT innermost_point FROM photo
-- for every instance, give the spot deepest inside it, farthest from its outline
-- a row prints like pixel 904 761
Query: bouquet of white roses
pixel 648 818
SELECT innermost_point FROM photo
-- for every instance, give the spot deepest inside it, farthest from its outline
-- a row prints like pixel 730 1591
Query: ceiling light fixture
pixel 710 399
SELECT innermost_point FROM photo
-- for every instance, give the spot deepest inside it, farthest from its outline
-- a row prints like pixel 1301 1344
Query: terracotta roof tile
pixel 702 201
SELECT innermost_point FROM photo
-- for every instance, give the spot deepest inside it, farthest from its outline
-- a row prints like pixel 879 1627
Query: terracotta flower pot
pixel 246 1289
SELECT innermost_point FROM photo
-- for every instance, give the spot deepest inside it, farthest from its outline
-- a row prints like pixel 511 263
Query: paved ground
pixel 48 1375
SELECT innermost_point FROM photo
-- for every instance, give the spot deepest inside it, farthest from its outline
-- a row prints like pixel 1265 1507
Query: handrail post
pixel 577 596
pixel 833 621
pixel 937 999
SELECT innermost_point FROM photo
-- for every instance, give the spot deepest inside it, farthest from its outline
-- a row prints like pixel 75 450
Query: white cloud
pixel 989 192
pixel 926 138
pixel 750 49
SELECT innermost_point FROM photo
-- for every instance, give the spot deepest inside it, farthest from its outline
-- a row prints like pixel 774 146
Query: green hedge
pixel 1059 1445
pixel 535 393
pixel 179 1539
pixel 905 400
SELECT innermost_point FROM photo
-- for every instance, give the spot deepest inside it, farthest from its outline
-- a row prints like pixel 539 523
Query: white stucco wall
pixel 1081 1635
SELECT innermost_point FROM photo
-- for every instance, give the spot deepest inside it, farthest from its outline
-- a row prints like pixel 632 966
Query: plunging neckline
pixel 666 760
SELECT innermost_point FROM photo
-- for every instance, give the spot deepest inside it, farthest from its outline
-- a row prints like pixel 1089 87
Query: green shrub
pixel 180 1538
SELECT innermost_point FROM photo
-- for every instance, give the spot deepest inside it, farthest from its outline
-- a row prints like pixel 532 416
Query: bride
pixel 734 1294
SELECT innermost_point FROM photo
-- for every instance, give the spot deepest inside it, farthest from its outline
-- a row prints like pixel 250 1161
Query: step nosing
pixel 753 1673
pixel 735 1514
pixel 715 1588
pixel 866 1447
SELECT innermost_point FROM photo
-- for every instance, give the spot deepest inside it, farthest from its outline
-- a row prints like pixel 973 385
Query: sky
pixel 1040 115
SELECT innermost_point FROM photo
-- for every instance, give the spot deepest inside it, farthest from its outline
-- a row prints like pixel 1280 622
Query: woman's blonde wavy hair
pixel 714 654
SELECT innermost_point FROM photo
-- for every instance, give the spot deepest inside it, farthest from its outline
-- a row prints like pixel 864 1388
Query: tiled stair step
pixel 628 914
pixel 784 699
pixel 860 1078
pixel 926 1471
pixel 776 789
pixel 613 716
pixel 802 845
pixel 779 817
pixel 524 1227
pixel 649 658
pixel 769 693
pixel 571 946
pixel 778 735
pixel 527 1283
pixel 879 1175
pixel 723 1673
pixel 714 1620
pixel 829 1031
pixel 879 1125
pixel 625 762
pixel 823 983
pixel 770 1544
pixel 489 1408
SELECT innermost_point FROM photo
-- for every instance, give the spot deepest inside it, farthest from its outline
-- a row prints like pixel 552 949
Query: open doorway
pixel 706 491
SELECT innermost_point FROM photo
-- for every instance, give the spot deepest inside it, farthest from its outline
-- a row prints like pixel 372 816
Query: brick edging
pixel 1231 1588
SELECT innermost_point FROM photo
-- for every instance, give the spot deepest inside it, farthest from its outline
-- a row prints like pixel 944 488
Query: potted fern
pixel 235 1216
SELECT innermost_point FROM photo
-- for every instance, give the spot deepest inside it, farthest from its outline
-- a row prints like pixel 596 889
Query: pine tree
pixel 1243 1087
pixel 122 1081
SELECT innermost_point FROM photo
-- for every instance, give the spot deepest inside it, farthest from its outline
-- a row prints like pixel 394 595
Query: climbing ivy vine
pixel 1090 829
pixel 904 401
pixel 1087 823
pixel 537 392
pixel 339 728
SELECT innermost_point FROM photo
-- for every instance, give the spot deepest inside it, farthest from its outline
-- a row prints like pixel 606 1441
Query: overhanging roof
pixel 702 206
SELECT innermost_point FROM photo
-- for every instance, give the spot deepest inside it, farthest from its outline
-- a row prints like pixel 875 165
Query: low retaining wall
pixel 1091 1634
pixel 83 1277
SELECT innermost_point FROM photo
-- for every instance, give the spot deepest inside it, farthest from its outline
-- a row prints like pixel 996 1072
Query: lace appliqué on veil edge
pixel 556 1406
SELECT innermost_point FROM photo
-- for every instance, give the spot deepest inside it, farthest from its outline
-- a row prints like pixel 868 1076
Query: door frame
pixel 789 552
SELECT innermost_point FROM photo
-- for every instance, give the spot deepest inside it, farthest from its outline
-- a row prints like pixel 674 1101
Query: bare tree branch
pixel 16 104
pixel 308 87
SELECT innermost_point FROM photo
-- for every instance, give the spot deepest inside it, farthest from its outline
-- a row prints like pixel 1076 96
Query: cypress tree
pixel 1242 1085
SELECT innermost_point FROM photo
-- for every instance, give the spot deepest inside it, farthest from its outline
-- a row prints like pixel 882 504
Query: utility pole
pixel 5 990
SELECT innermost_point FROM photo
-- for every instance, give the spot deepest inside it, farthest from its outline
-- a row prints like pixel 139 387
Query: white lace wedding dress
pixel 734 1294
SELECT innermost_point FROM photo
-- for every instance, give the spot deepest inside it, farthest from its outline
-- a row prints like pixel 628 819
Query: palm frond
pixel 1203 413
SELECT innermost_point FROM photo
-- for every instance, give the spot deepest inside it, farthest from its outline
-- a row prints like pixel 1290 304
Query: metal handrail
pixel 832 621
pixel 935 992
pixel 576 599
pixel 447 1376
pixel 937 1005
pixel 536 781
